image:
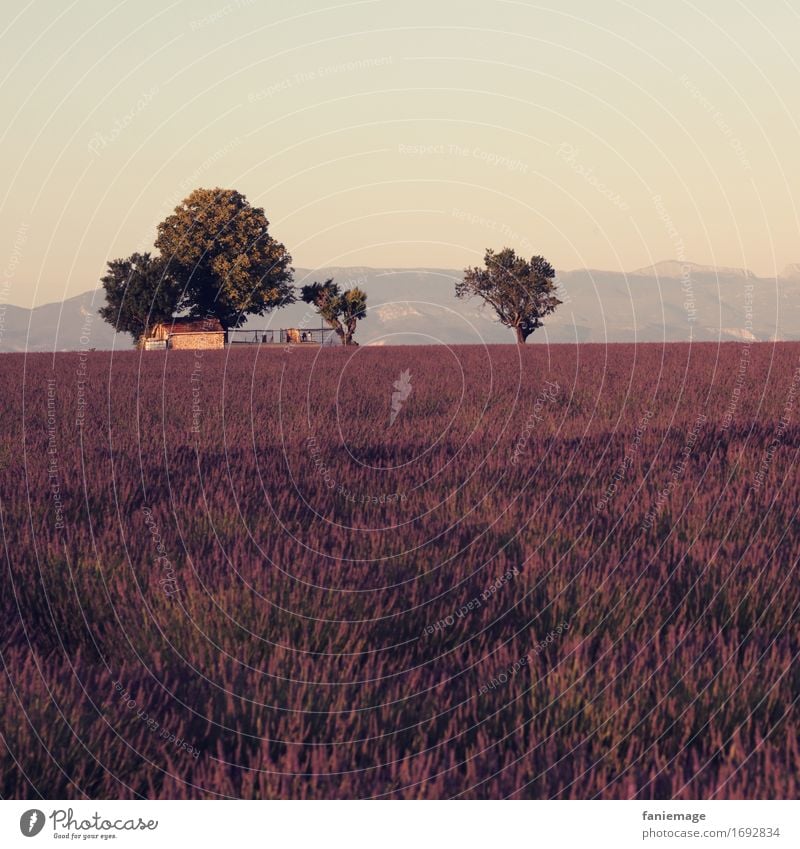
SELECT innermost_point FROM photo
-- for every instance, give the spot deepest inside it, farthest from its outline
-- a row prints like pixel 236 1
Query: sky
pixel 598 133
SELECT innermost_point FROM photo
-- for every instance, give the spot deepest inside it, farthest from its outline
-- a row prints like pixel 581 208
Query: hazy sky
pixel 599 133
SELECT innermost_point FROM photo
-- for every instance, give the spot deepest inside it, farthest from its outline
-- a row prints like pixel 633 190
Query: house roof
pixel 194 325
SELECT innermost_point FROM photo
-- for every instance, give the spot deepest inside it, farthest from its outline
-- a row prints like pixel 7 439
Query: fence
pixel 285 336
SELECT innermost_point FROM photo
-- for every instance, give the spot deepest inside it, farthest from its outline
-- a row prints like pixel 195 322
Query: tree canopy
pixel 218 248
pixel 139 294
pixel 521 292
pixel 342 310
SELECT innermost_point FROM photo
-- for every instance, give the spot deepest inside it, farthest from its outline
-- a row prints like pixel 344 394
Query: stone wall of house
pixel 196 341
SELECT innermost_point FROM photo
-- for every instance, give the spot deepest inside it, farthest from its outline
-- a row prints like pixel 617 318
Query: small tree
pixel 341 310
pixel 219 248
pixel 522 293
pixel 139 294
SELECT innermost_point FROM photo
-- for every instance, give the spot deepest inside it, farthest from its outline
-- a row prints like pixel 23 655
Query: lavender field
pixel 409 572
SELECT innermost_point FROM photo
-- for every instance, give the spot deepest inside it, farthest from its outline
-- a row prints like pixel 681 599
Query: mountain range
pixel 670 301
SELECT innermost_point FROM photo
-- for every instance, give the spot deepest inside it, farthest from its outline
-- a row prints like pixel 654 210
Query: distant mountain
pixel 674 268
pixel 670 301
pixel 63 326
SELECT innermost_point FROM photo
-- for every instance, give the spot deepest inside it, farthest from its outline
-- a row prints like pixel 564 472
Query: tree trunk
pixel 521 336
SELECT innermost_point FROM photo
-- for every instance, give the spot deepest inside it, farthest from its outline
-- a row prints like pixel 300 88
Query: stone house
pixel 187 334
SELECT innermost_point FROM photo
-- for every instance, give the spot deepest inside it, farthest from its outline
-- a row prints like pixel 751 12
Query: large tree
pixel 219 248
pixel 521 292
pixel 139 294
pixel 341 310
